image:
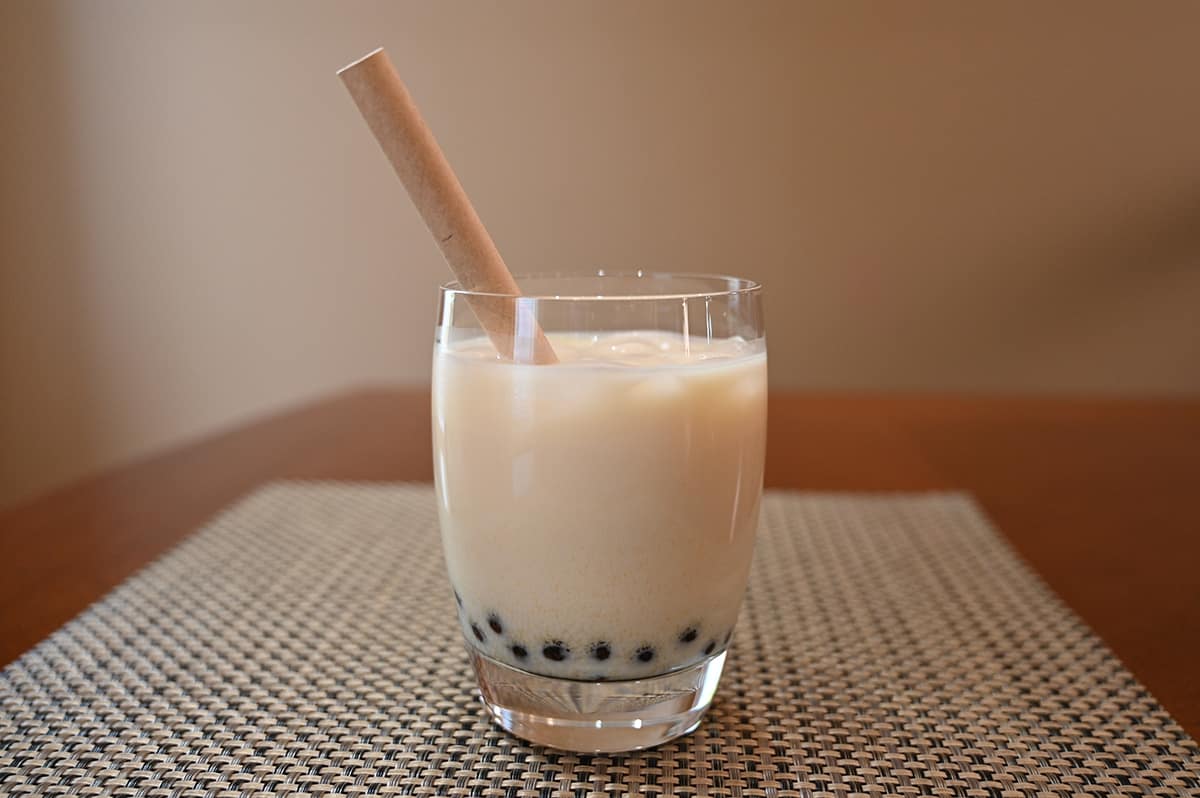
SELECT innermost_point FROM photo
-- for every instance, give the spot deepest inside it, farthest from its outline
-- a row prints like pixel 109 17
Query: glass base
pixel 597 717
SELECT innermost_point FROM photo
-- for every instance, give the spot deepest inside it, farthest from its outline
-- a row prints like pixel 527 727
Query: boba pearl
pixel 597 659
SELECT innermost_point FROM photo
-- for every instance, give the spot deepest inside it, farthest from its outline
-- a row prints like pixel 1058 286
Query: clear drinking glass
pixel 598 513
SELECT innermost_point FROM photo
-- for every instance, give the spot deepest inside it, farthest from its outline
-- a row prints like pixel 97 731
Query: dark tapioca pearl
pixel 494 622
pixel 478 632
pixel 519 651
pixel 711 647
pixel 601 651
pixel 645 654
pixel 688 635
pixel 556 650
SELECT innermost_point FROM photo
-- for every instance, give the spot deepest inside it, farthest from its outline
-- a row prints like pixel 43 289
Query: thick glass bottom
pixel 597 717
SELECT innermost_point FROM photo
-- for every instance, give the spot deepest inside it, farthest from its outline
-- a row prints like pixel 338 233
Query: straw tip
pixel 358 61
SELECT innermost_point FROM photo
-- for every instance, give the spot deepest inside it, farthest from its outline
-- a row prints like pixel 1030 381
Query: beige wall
pixel 196 228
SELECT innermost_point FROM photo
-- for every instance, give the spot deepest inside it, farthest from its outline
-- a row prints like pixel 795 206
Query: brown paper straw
pixel 393 117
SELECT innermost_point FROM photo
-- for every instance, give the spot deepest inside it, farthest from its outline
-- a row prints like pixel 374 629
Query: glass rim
pixel 733 286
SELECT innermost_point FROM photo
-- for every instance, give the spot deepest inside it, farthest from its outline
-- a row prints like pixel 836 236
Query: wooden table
pixel 1101 496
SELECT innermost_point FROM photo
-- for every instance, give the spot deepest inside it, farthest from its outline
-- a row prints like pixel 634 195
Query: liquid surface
pixel 598 514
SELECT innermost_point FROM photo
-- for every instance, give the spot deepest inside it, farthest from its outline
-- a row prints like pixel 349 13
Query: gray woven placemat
pixel 305 642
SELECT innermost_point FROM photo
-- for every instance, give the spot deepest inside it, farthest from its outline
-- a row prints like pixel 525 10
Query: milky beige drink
pixel 599 514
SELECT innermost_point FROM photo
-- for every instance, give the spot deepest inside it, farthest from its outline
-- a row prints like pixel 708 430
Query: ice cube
pixel 659 389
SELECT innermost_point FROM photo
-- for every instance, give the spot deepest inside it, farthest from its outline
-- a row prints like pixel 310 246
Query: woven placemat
pixel 305 642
